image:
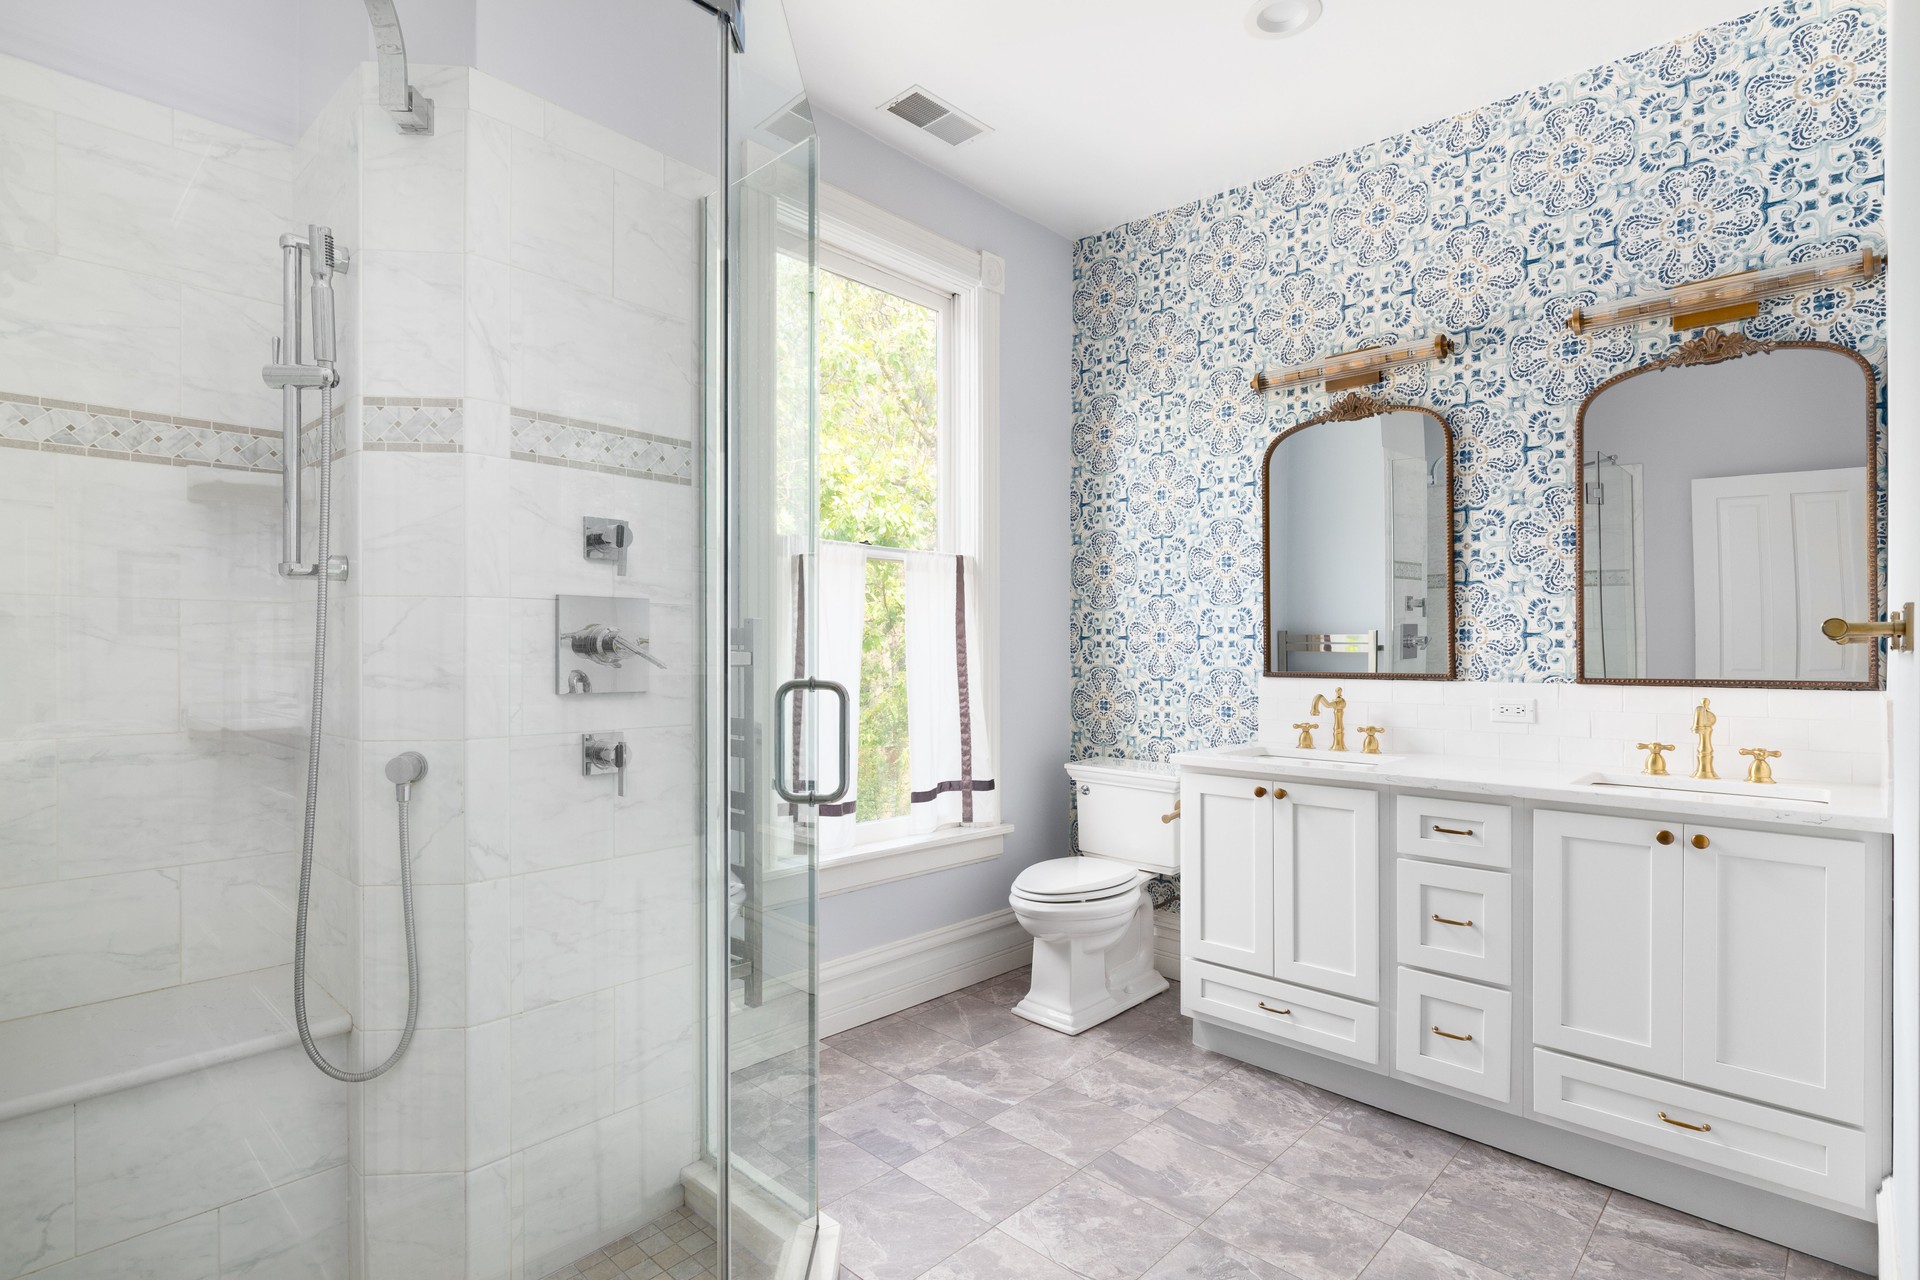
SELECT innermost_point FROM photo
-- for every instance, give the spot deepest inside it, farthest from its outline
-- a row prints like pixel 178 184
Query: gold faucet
pixel 1339 705
pixel 1703 722
pixel 1306 728
pixel 1759 771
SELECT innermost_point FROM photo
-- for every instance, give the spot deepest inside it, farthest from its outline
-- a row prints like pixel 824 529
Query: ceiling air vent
pixel 793 123
pixel 925 112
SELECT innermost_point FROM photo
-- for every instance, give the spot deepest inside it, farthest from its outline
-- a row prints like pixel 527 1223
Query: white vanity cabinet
pixel 1698 984
pixel 1286 881
pixel 1727 958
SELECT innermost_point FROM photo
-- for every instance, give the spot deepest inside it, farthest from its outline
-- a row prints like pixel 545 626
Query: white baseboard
pixel 897 975
pixel 1166 944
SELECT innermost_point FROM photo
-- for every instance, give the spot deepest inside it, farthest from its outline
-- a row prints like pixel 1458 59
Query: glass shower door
pixel 780 720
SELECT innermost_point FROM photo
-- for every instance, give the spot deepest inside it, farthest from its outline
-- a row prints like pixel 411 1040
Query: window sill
pixel 890 860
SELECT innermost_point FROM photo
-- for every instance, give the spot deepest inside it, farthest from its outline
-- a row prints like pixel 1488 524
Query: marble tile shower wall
pixel 151 707
pixel 529 357
pixel 521 339
pixel 1745 144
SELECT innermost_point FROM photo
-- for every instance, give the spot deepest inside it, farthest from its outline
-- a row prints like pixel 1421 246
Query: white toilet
pixel 1090 917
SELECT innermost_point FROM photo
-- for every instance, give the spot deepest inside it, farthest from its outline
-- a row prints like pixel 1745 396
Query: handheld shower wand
pixel 324 258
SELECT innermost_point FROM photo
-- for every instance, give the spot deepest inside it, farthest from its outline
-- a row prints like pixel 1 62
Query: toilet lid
pixel 1074 878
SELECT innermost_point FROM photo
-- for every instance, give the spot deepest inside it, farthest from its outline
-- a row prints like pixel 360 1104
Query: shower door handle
pixel 780 754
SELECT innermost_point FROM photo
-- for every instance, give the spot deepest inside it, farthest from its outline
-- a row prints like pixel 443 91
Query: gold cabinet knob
pixel 1279 793
pixel 1259 793
pixel 1700 842
pixel 1665 837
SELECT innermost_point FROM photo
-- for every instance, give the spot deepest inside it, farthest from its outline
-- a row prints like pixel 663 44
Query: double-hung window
pixel 907 344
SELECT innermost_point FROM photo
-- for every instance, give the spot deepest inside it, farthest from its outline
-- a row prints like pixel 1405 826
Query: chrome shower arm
pixel 411 110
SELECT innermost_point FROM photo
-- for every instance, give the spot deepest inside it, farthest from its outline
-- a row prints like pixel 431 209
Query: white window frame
pixel 862 241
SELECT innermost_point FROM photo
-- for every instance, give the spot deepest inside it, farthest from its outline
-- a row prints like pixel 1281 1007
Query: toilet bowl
pixel 1090 916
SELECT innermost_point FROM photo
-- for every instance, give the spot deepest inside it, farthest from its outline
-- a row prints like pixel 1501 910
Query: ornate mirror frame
pixel 1715 346
pixel 1355 406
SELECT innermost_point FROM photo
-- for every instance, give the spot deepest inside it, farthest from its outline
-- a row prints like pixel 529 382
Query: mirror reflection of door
pixel 1726 510
pixel 1359 544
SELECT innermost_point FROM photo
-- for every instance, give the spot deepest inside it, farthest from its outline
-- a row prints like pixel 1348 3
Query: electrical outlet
pixel 1514 711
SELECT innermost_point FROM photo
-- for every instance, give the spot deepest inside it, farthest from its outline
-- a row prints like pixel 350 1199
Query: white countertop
pixel 1850 807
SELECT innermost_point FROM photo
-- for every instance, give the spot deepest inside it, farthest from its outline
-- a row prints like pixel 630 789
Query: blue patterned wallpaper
pixel 1745 145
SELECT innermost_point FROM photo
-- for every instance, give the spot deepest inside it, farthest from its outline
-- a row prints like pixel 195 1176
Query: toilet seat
pixel 1079 879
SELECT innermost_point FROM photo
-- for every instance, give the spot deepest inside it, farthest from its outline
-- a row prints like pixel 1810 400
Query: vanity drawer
pixel 1457 920
pixel 1779 1147
pixel 1454 1033
pixel 1455 830
pixel 1281 1011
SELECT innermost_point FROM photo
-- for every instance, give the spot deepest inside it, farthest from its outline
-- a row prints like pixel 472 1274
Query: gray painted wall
pixel 1788 411
pixel 1035 462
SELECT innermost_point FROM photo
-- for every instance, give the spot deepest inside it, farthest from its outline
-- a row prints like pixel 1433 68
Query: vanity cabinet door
pixel 1226 871
pixel 1606 938
pixel 1326 889
pixel 1776 962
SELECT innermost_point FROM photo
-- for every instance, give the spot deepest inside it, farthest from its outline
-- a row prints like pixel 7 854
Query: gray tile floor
pixel 962 1143
pixel 677 1246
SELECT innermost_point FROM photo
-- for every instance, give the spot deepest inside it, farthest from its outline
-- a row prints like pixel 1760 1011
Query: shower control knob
pixel 604 753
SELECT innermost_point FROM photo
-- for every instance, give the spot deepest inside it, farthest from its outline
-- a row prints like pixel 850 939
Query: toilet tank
pixel 1121 804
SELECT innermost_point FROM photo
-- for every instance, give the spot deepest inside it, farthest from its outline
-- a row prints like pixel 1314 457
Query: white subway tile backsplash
pixel 1836 736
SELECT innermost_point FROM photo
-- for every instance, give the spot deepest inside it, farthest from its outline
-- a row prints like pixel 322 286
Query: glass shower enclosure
pixel 516 299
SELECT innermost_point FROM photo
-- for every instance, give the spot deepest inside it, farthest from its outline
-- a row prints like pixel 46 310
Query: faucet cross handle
pixel 1759 771
pixel 1656 758
pixel 1370 742
pixel 1306 728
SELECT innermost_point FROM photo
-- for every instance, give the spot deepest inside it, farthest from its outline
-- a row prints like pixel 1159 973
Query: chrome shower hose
pixel 402 792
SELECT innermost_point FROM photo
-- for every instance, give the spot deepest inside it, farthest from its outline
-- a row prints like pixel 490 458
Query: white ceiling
pixel 1106 110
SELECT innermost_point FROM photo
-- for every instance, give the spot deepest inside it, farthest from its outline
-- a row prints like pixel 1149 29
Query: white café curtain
pixel 949 749
pixel 840 587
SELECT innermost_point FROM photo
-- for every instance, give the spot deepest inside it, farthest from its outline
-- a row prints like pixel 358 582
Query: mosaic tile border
pixel 595 446
pixel 133 435
pixel 401 424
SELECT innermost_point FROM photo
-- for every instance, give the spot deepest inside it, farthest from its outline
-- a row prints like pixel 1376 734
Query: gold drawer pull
pixel 1270 1009
pixel 1452 831
pixel 1682 1124
pixel 1464 924
pixel 1449 1035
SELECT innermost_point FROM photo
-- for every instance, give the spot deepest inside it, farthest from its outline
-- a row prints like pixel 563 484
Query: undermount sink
pixel 1707 787
pixel 1331 759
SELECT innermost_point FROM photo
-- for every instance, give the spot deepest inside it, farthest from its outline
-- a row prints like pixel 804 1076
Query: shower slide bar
pixel 315 254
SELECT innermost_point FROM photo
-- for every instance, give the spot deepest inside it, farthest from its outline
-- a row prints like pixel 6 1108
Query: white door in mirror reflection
pixel 1772 556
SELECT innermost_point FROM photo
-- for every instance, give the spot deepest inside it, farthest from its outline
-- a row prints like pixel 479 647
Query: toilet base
pixel 1142 989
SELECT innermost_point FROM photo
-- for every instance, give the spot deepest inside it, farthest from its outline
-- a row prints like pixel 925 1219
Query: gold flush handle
pixel 1270 1009
pixel 1460 924
pixel 1759 771
pixel 1699 842
pixel 1656 758
pixel 1682 1124
pixel 1664 837
pixel 1450 1035
pixel 1897 629
pixel 1169 817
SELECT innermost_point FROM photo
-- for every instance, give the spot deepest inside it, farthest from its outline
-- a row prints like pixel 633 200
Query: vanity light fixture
pixel 1733 297
pixel 1278 19
pixel 1360 368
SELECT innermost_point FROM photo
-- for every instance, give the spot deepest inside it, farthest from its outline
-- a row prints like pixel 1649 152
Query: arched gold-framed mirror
pixel 1356 511
pixel 1728 504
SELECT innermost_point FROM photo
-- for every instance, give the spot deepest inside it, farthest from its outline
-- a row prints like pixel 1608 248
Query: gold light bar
pixel 1726 298
pixel 1357 368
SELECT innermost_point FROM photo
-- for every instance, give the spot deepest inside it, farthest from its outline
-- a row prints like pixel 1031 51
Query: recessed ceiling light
pixel 1278 19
